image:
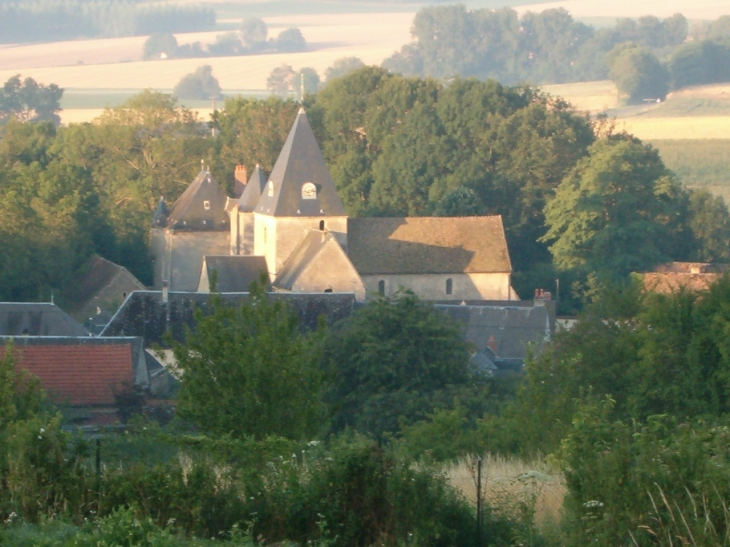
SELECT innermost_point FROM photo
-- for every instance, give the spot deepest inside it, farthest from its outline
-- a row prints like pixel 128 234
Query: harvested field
pixel 590 96
pixel 372 37
pixel 688 127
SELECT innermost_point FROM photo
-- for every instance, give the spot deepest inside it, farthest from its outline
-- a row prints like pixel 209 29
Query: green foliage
pixel 253 32
pixel 392 361
pixel 307 82
pixel 697 163
pixel 282 81
pixel 638 74
pixel 159 44
pixel 546 47
pixel 29 101
pixel 698 63
pixel 342 67
pixel 249 371
pixel 618 211
pixel 291 41
pixel 52 20
pixel 710 224
pixel 200 84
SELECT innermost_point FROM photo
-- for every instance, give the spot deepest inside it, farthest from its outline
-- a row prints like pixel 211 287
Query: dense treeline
pixel 49 20
pixel 646 57
pixel 394 146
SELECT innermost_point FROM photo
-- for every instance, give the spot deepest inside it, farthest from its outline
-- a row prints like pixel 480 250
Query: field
pixel 698 9
pixel 513 485
pixel 591 96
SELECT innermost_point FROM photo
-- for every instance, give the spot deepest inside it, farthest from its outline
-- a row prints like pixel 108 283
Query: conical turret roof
pixel 300 184
pixel 201 207
pixel 254 189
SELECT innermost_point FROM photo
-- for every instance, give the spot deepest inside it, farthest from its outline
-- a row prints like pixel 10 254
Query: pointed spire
pixel 300 184
pixel 253 191
pixel 160 216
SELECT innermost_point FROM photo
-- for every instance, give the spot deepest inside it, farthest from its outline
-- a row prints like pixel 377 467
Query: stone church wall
pixel 481 286
pixel 179 256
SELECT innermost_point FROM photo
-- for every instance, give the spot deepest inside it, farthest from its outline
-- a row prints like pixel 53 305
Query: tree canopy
pixel 200 85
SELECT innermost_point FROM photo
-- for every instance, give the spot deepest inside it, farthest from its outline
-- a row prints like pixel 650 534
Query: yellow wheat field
pixel 511 485
pixel 96 64
pixel 688 127
pixel 590 96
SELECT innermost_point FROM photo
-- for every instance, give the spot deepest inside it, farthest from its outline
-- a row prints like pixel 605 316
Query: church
pixel 293 226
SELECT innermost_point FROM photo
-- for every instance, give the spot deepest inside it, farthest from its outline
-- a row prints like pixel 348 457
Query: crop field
pixel 512 485
pixel 688 127
pixel 591 96
pixel 97 64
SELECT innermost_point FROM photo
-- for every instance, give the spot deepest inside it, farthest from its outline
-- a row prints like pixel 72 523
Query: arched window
pixel 381 286
pixel 321 225
pixel 449 286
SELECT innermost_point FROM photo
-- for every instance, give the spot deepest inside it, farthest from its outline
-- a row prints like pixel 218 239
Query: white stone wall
pixel 481 286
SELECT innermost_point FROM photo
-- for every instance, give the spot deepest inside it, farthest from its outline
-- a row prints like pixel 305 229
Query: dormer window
pixel 206 205
pixel 309 191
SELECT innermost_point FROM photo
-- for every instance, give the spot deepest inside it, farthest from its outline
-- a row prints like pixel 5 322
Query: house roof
pixel 300 184
pixel 235 273
pixel 428 245
pixel 96 275
pixel 77 373
pixel 202 206
pixel 37 319
pixel 252 193
pixel 670 282
pixel 145 314
pixel 319 263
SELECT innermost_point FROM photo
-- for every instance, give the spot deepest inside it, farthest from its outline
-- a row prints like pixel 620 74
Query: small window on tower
pixel 449 286
pixel 265 235
pixel 381 286
pixel 309 191
pixel 206 205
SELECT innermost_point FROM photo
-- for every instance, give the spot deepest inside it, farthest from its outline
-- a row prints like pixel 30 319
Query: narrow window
pixel 449 286
pixel 381 286
pixel 321 225
pixel 206 205
pixel 265 235
pixel 328 290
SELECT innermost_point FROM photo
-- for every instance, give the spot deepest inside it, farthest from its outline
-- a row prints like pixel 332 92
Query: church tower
pixel 299 196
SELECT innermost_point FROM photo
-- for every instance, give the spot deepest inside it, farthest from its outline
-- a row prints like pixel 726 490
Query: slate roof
pixel 428 245
pixel 190 211
pixel 252 193
pixel 96 275
pixel 300 162
pixel 235 273
pixel 77 371
pixel 144 313
pixel 37 319
pixel 515 328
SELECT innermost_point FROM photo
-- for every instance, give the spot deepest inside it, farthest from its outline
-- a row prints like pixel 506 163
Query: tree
pixel 281 81
pixel 306 81
pixel 160 46
pixel 390 361
pixel 253 32
pixel 199 85
pixel 698 63
pixel 341 67
pixel 249 371
pixel 710 223
pixel 638 74
pixel 290 41
pixel 30 101
pixel 619 210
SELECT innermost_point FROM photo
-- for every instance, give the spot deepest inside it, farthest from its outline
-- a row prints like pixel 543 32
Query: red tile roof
pixel 78 374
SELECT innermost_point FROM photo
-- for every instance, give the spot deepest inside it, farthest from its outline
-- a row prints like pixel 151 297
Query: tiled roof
pixel 78 374
pixel 37 319
pixel 667 283
pixel 428 245
pixel 300 184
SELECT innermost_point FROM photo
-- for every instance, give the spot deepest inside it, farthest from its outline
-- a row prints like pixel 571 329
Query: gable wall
pixel 331 270
pixel 179 256
pixel 479 286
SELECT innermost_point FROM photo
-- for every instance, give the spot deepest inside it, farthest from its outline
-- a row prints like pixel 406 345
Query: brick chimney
pixel 492 344
pixel 241 176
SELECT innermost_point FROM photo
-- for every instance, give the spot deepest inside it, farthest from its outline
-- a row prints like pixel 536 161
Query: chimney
pixel 241 176
pixel 492 344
